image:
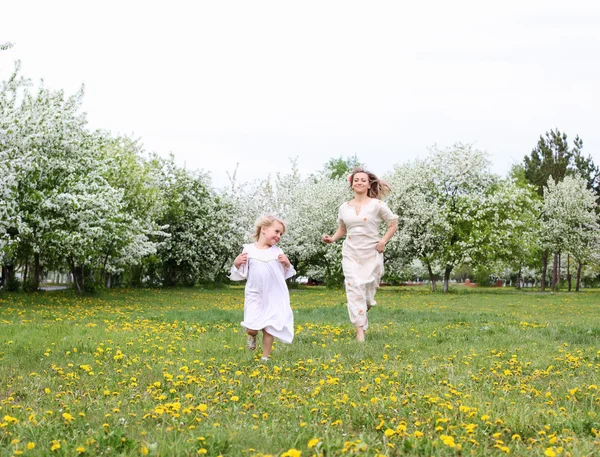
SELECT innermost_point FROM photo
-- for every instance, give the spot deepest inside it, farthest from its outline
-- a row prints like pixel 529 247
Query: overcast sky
pixel 259 82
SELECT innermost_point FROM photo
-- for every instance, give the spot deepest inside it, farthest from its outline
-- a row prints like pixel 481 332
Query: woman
pixel 362 251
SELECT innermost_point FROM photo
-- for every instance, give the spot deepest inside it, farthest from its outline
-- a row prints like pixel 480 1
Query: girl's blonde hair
pixel 377 187
pixel 265 221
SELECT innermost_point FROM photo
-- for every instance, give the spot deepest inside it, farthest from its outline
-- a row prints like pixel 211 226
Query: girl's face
pixel 272 234
pixel 360 183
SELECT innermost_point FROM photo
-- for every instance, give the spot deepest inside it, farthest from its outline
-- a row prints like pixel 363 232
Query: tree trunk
pixel 447 272
pixel 216 275
pixel 544 270
pixel 37 271
pixel 558 272
pixel 519 279
pixel 569 271
pixel 75 280
pixel 431 278
pixel 79 286
pixel 9 274
pixel 578 280
pixel 25 273
pixel 553 285
pixel 108 280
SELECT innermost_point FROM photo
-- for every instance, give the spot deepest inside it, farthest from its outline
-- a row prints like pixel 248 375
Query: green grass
pixel 166 372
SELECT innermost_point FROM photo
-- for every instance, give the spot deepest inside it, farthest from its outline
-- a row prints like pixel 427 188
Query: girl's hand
pixel 327 239
pixel 380 246
pixel 240 260
pixel 284 260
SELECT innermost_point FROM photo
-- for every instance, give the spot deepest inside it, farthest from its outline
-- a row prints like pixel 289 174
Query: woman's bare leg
pixel 360 333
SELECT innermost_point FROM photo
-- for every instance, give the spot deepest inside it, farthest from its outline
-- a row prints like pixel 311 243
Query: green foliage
pixel 341 167
pixel 30 285
pixel 553 157
pixel 588 170
pixel 483 277
pixel 550 158
pixel 13 284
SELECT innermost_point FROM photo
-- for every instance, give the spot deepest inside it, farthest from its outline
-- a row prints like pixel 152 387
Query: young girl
pixel 267 299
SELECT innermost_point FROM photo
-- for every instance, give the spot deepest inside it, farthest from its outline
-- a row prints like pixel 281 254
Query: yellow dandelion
pixel 11 420
pixel 312 443
pixel 448 440
pixel 292 453
pixel 389 433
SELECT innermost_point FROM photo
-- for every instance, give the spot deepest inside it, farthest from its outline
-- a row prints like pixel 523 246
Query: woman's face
pixel 360 183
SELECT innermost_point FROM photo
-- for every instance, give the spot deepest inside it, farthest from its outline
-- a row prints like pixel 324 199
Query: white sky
pixel 259 82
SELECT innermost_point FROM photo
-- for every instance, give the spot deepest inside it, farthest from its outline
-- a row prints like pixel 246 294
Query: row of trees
pixel 86 202
pixel 97 206
pixel 455 212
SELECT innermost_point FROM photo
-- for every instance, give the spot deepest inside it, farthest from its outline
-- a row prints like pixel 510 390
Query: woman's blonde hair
pixel 265 221
pixel 377 187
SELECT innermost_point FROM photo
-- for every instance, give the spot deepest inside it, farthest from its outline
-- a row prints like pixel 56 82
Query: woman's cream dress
pixel 362 264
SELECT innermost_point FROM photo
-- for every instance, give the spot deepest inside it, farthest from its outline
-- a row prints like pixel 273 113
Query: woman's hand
pixel 240 260
pixel 284 260
pixel 327 239
pixel 380 246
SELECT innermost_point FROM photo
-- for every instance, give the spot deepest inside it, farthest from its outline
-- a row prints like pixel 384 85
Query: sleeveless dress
pixel 361 263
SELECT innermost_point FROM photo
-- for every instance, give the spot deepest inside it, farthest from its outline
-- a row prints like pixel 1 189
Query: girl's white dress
pixel 267 299
pixel 361 263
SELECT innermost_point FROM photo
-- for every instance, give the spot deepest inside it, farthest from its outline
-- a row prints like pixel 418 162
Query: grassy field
pixel 166 372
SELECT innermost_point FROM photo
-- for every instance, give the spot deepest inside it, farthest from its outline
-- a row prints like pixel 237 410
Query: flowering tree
pixel 8 217
pixel 203 233
pixel 422 224
pixel 135 234
pixel 312 212
pixel 570 223
pixel 453 211
pixel 69 209
pixel 45 150
pixel 508 216
pixel 9 126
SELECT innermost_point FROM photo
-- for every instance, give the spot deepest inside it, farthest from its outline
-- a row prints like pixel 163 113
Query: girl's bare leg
pixel 251 338
pixel 267 343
